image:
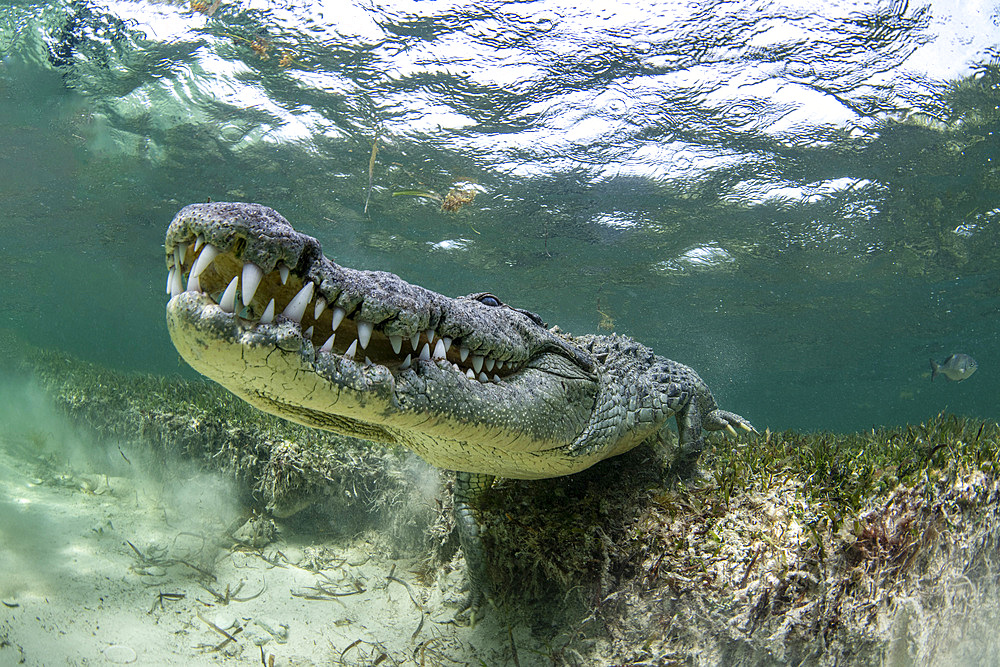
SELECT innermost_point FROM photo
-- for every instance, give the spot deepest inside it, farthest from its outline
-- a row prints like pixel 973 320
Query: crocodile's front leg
pixel 701 413
pixel 689 439
pixel 469 490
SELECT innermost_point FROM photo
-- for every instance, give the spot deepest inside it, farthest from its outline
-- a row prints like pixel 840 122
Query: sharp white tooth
pixel 194 285
pixel 430 336
pixel 268 315
pixel 251 279
pixel 439 352
pixel 456 368
pixel 228 300
pixel 179 255
pixel 328 345
pixel 170 278
pixel 296 308
pixel 351 350
pixel 477 362
pixel 175 283
pixel 283 273
pixel 483 378
pixel 495 378
pixel 414 340
pixel 469 374
pixel 369 362
pixel 365 333
pixel 308 333
pixel 204 259
pixel 490 363
pixel 425 352
pixel 406 363
pixel 320 306
pixel 499 365
pixel 447 344
pixel 199 241
pixel 396 342
pixel 463 353
pixel 338 317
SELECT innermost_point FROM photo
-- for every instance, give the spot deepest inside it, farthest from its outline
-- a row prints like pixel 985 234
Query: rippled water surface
pixel 800 200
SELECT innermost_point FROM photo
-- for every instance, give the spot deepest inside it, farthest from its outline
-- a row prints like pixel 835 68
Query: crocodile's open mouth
pixel 468 383
pixel 262 298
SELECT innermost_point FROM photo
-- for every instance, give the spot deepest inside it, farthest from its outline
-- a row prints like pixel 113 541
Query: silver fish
pixel 956 367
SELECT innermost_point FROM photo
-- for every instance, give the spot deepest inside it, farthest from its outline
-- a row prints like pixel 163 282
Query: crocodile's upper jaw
pixel 467 385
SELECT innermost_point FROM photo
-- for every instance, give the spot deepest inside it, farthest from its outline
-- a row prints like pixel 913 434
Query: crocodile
pixel 470 384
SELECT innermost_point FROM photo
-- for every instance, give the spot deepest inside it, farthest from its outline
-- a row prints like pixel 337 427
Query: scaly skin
pixel 495 393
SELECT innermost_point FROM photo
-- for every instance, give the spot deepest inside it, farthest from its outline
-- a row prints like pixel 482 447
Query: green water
pixel 802 206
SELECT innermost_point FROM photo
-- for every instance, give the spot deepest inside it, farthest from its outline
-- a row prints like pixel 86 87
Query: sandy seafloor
pixel 76 592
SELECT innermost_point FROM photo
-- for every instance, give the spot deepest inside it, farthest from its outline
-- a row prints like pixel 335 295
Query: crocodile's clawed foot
pixel 722 419
pixel 473 609
pixel 468 613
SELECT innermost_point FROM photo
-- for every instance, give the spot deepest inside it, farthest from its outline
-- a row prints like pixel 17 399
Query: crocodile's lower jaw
pixel 246 357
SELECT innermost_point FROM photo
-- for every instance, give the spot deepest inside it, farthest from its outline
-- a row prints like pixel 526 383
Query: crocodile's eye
pixel 489 300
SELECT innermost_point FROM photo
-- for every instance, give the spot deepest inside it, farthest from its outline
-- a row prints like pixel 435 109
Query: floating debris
pixel 418 193
pixel 261 45
pixel 205 6
pixel 457 198
pixel 371 171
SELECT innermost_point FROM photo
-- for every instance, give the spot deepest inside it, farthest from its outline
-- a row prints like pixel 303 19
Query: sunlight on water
pixel 825 161
pixel 800 200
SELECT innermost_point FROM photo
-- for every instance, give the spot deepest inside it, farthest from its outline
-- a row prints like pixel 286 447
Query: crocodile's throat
pixel 467 383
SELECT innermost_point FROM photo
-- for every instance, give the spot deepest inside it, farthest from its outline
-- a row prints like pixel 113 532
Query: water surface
pixel 798 200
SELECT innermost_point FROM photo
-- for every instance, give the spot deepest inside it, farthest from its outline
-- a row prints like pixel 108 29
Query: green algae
pixel 785 547
pixel 788 547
